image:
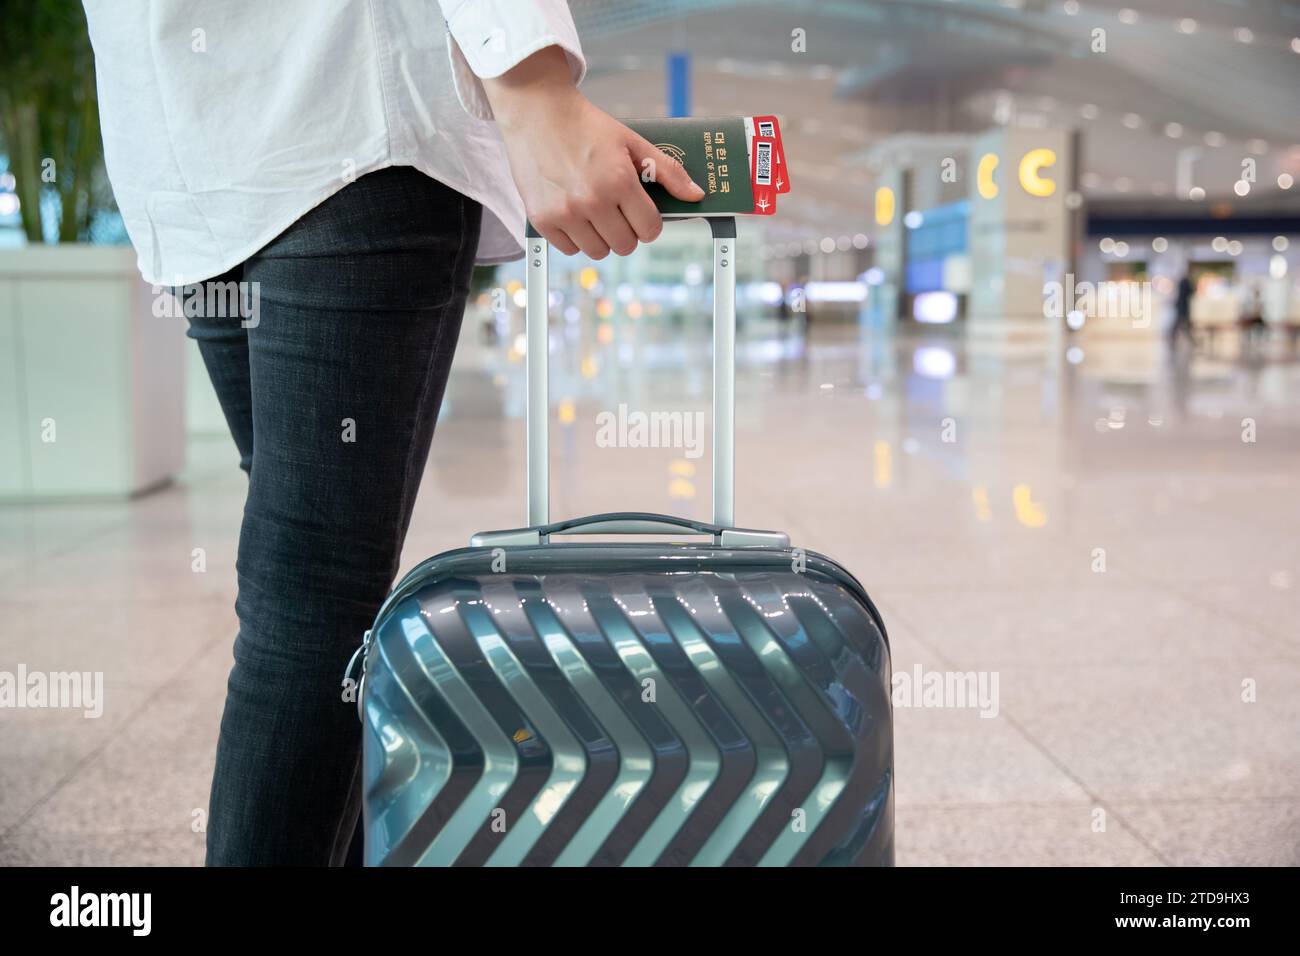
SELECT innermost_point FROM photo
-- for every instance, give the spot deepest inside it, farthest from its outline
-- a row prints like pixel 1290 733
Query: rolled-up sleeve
pixel 485 38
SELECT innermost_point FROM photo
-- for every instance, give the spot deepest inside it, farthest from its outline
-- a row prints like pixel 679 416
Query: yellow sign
pixel 884 206
pixel 984 176
pixel 1030 165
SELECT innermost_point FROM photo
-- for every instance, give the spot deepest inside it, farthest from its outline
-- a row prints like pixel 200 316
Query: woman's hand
pixel 577 168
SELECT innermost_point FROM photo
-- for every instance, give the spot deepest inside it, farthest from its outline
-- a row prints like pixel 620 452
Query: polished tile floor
pixel 1093 534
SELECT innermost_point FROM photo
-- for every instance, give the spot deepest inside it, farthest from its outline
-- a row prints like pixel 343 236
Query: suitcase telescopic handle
pixel 536 334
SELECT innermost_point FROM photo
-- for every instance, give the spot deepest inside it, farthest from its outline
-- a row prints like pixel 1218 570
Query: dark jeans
pixel 331 397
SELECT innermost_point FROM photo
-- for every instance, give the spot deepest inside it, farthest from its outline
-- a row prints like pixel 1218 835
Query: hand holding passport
pixel 739 161
pixel 590 183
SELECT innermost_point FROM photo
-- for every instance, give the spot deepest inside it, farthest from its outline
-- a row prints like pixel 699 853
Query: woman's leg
pixel 223 344
pixel 360 304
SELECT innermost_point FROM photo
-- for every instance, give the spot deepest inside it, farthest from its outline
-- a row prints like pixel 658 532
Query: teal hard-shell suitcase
pixel 530 702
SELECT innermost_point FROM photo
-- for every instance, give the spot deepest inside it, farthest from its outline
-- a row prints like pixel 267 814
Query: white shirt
pixel 224 122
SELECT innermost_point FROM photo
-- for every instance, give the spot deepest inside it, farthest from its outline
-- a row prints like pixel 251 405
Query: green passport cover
pixel 715 153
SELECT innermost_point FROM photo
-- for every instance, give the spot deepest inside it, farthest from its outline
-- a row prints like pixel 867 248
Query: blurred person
pixel 784 314
pixel 348 166
pixel 1182 311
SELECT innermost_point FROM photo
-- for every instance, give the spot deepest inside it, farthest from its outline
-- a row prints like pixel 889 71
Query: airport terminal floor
pixel 1109 541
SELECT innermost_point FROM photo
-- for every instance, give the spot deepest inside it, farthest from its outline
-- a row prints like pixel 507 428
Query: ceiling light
pixel 1214 139
pixel 1132 120
pixel 1243 35
pixel 1186 25
pixel 1285 181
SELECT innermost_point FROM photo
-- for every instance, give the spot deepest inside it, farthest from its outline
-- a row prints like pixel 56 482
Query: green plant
pixel 49 114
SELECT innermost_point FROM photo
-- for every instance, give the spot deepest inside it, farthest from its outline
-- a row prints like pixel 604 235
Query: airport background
pixel 959 373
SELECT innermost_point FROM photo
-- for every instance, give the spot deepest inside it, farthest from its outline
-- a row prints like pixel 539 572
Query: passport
pixel 737 168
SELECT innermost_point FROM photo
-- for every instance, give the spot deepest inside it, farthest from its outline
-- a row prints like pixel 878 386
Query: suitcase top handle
pixel 536 333
pixel 631 522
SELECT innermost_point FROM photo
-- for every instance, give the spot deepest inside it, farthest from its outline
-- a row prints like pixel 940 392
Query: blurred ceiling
pixel 1217 81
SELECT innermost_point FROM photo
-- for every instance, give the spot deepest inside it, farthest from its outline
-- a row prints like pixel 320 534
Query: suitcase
pixel 528 702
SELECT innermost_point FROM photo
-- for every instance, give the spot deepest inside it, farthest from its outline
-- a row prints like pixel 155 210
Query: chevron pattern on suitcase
pixel 571 718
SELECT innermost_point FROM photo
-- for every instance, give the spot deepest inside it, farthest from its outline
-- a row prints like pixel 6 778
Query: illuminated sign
pixel 1032 180
pixel 884 206
pixel 984 176
pixel 935 308
pixel 1030 165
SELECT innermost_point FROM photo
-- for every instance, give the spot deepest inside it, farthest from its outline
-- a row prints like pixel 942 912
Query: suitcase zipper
pixel 359 654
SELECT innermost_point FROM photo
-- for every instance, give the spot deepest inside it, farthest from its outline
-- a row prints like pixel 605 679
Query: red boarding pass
pixel 768 126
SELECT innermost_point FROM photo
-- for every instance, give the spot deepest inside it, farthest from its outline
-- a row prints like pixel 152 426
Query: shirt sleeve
pixel 485 38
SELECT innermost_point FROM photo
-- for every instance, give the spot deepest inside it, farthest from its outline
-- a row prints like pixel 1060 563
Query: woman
pixel 315 153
